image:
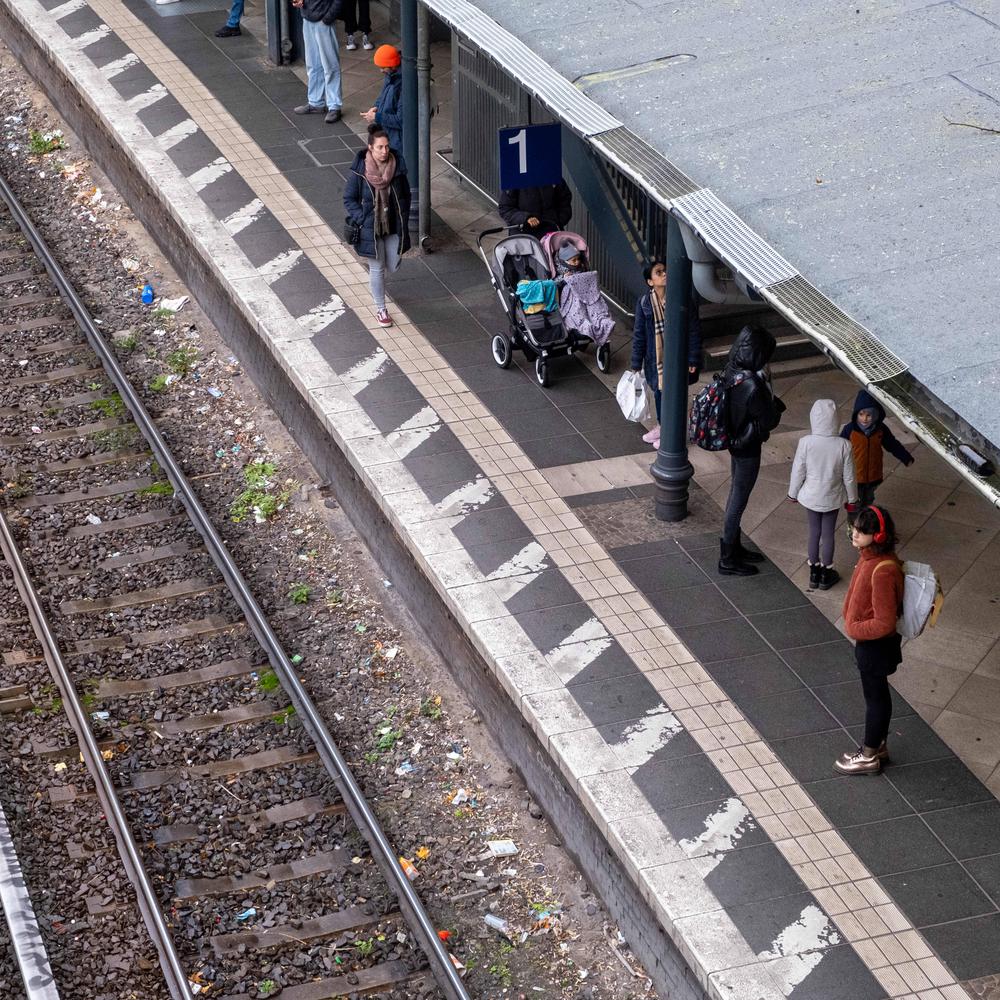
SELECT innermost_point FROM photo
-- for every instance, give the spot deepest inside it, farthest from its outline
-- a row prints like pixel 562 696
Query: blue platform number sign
pixel 530 156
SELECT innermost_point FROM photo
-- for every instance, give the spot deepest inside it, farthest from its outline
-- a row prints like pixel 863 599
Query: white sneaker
pixel 351 44
pixel 366 42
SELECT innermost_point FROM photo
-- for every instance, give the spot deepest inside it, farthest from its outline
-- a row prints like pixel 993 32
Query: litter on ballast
pixel 93 519
pixel 173 305
pixel 100 716
pixel 405 768
pixel 497 923
pixel 502 848
pixel 250 911
pixel 213 392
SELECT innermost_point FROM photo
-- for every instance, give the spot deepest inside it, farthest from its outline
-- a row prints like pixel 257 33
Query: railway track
pixel 248 842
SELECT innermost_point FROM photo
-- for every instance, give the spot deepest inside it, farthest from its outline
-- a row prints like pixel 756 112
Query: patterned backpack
pixel 708 427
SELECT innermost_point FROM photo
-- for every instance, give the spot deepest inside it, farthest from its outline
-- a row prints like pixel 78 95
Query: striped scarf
pixel 657 305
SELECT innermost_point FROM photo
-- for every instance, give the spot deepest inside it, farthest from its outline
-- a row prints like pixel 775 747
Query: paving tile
pixel 618 699
pixel 938 784
pixel 751 875
pixel 937 895
pixel 657 737
pixel 721 640
pixel 488 556
pixel 645 550
pixel 976 741
pixel 692 605
pixel 450 467
pixel 567 389
pixel 838 973
pixel 491 526
pixel 193 153
pixel 618 440
pixel 794 627
pixel 389 415
pixel 551 451
pixel 757 676
pixel 767 592
pixel 682 781
pixel 534 425
pixel 664 570
pixel 910 740
pixel 791 713
pixel 549 589
pixel 846 703
pixel 763 922
pixel 550 627
pixel 896 845
pixel 822 663
pixel 810 758
pixel 601 497
pixel 611 662
pixel 968 947
pixel 644 841
pixel 848 800
pixel 929 683
pixel 979 696
pixel 520 397
pixel 968 831
pixel 714 828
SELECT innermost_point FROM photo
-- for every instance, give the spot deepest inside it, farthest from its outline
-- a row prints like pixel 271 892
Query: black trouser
pixel 876 660
pixel 357 16
pixel 745 468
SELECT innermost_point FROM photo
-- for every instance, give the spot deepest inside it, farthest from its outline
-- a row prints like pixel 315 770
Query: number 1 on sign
pixel 521 141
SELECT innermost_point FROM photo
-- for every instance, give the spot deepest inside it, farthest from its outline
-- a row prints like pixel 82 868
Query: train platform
pixel 692 718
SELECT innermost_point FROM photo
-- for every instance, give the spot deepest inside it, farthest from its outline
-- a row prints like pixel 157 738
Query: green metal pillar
pixel 408 43
pixel 672 471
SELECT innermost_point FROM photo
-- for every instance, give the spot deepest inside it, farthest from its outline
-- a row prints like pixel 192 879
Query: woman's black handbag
pixel 352 232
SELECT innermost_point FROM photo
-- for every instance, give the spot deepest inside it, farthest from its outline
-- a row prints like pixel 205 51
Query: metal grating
pixel 732 240
pixel 575 109
pixel 836 332
pixel 649 168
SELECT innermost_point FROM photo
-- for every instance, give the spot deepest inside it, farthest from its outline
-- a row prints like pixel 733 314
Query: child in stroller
pixel 582 306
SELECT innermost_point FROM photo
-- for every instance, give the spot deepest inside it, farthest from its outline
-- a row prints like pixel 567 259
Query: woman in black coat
pixel 377 200
pixel 537 210
pixel 752 412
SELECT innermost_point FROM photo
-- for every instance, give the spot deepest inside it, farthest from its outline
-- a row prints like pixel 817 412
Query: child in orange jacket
pixel 868 436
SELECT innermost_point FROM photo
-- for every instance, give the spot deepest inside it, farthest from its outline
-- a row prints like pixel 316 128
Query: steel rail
pixel 25 936
pixel 149 905
pixel 441 966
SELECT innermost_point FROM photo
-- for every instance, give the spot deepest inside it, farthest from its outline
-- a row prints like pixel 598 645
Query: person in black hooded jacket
pixel 752 412
pixel 537 210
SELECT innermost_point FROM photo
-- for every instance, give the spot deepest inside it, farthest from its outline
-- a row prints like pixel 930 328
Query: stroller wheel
pixel 542 372
pixel 604 357
pixel 502 350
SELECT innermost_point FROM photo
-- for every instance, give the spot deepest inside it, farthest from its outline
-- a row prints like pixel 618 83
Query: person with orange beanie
pixel 387 110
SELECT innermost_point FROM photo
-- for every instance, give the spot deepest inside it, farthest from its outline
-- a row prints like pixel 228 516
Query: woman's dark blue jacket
pixel 644 338
pixel 359 201
pixel 388 108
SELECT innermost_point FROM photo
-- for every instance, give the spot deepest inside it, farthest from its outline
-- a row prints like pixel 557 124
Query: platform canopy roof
pixel 828 128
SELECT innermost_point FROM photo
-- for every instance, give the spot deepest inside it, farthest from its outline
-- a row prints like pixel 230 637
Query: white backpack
pixel 922 598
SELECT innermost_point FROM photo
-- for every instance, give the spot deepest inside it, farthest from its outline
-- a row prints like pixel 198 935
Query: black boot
pixel 745 555
pixel 828 576
pixel 815 570
pixel 730 563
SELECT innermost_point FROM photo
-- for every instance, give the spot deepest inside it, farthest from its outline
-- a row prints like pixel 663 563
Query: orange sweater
pixel 875 596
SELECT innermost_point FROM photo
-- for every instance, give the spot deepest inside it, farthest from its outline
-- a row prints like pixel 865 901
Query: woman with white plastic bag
pixel 647 337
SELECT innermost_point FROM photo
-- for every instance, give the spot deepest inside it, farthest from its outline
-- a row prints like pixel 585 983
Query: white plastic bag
pixel 921 593
pixel 635 398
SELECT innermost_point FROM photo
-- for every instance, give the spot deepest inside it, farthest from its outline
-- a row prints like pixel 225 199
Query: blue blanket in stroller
pixel 538 296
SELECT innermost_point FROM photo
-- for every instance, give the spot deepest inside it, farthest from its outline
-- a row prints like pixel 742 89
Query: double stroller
pixel 551 312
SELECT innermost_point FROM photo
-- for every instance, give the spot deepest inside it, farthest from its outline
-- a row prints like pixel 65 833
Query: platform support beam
pixel 408 43
pixel 424 123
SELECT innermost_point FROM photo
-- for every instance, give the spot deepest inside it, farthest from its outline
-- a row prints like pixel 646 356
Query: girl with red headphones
pixel 873 603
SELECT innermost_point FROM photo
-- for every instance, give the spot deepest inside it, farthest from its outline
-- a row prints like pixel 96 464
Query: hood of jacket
pixel 358 166
pixel 823 418
pixel 751 350
pixel 865 401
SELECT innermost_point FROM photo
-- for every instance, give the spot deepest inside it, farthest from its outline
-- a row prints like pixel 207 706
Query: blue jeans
pixel 386 259
pixel 322 64
pixel 235 13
